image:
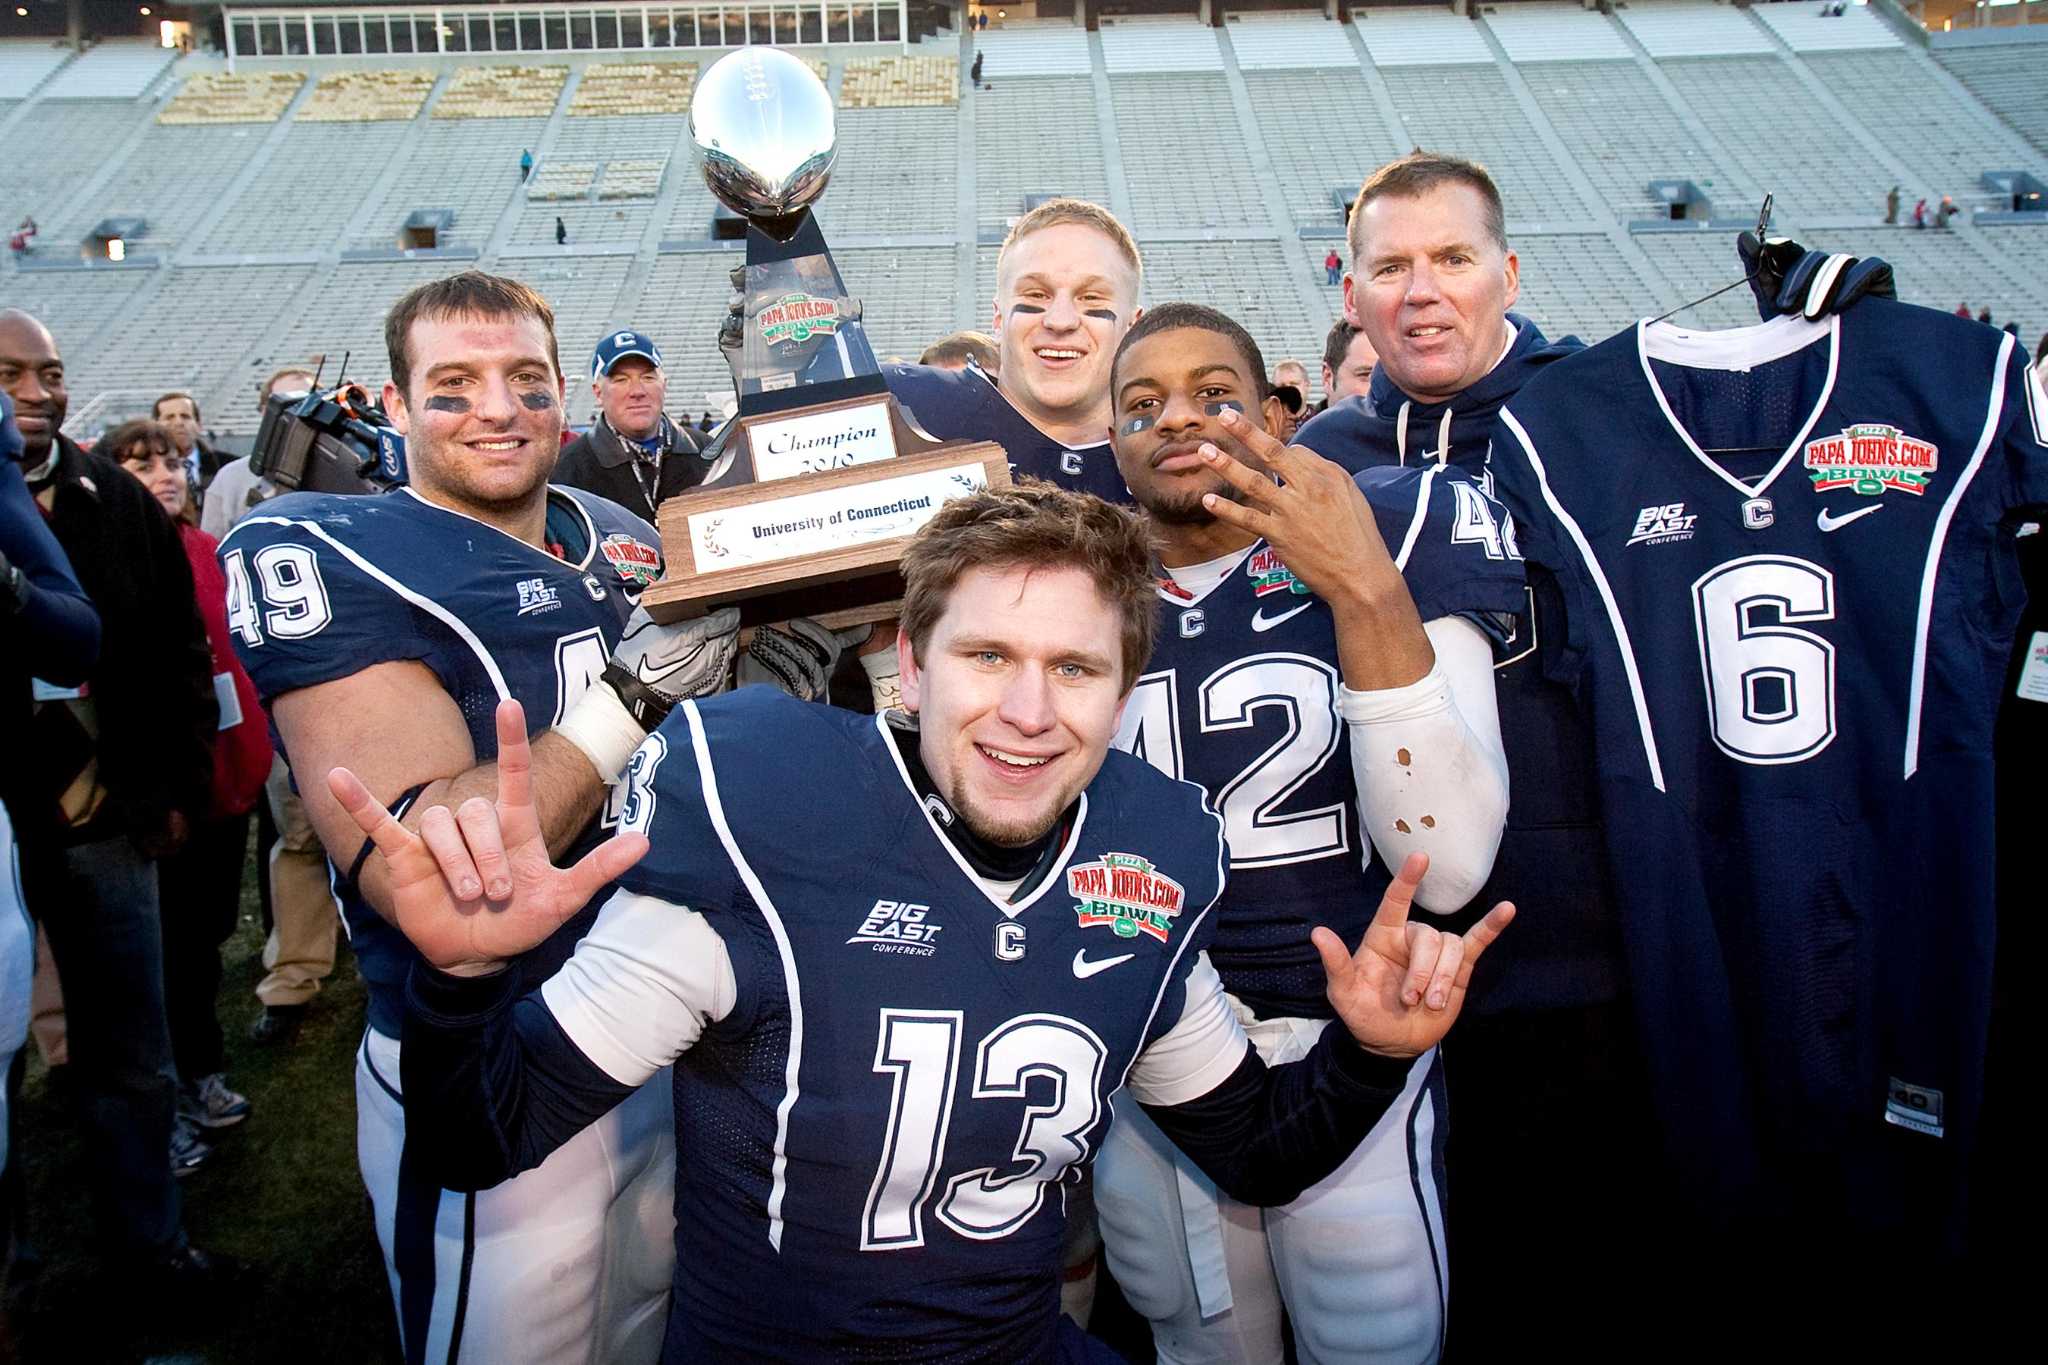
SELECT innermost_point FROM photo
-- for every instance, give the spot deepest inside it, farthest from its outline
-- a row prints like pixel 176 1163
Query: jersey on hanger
pixel 321 586
pixel 966 405
pixel 1790 593
pixel 877 1141
pixel 1240 698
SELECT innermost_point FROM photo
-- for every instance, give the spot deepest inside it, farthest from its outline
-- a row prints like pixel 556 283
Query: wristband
pixel 601 725
pixel 885 678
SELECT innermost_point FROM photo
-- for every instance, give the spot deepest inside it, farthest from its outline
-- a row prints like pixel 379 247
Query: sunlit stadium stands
pixel 282 221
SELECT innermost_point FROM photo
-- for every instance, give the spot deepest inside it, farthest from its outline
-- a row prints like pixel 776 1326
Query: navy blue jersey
pixel 1789 587
pixel 880 1136
pixel 321 586
pixel 1241 698
pixel 966 405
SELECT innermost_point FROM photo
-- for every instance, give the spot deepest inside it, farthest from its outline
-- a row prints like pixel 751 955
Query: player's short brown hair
pixel 467 294
pixel 1033 524
pixel 1416 174
pixel 978 347
pixel 1054 212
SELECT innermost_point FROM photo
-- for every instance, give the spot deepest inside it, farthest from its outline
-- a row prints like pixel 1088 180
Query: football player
pixel 898 1003
pixel 1324 672
pixel 382 632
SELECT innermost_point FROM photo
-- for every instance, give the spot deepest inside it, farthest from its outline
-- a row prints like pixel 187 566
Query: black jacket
pixel 603 463
pixel 152 688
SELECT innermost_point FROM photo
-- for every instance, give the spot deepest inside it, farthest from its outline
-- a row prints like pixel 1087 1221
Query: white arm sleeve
pixel 1429 766
pixel 1199 1052
pixel 641 987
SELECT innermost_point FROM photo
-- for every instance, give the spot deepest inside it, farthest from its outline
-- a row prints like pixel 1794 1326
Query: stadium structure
pixel 217 191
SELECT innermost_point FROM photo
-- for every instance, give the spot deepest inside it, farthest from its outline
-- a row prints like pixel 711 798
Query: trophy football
pixel 821 480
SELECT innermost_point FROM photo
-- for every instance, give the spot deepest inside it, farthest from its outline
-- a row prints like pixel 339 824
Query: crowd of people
pixel 1169 823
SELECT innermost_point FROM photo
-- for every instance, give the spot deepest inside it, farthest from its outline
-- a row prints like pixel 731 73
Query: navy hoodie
pixel 1565 948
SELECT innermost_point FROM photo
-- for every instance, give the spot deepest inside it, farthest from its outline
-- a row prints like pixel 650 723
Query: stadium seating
pixel 218 97
pixel 2008 80
pixel 1225 150
pixel 366 96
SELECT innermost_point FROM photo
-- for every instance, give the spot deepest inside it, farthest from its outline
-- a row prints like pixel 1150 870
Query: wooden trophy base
pixel 824 545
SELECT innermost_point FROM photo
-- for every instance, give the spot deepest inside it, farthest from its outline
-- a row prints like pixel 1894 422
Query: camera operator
pixel 237 487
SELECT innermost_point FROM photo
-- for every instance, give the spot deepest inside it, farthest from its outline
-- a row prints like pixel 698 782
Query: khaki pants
pixel 46 1008
pixel 299 953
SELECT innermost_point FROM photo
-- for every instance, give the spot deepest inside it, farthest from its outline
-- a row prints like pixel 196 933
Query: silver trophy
pixel 762 123
pixel 820 481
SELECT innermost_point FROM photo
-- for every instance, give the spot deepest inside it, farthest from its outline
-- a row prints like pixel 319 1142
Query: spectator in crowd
pixel 954 352
pixel 1891 205
pixel 561 231
pixel 1963 310
pixel 1944 211
pixel 632 454
pixel 2013 328
pixel 129 758
pixel 1920 213
pixel 1333 268
pixel 706 422
pixel 974 71
pixel 48 630
pixel 24 236
pixel 179 412
pixel 525 163
pixel 235 487
pixel 982 24
pixel 1984 315
pixel 200 885
pixel 1291 387
pixel 1348 361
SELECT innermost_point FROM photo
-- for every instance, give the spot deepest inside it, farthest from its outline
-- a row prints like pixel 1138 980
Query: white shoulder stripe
pixel 1415 523
pixel 426 604
pixel 1599 576
pixel 1173 968
pixel 1928 572
pixel 793 1066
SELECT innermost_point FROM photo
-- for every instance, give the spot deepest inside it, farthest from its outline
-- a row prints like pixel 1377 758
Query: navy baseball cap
pixel 618 346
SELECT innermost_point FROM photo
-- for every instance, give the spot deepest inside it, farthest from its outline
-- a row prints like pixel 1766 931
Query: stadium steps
pixel 1678 32
pixel 191 252
pixel 544 146
pixel 1105 127
pixel 375 193
pixel 966 191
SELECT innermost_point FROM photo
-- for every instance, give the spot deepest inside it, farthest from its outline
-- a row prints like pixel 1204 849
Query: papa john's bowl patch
pixel 1124 892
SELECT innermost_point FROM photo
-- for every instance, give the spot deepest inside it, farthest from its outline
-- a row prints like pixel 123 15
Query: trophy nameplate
pixel 821 479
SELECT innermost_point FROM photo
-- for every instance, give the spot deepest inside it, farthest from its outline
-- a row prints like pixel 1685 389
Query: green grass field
pixel 280 1194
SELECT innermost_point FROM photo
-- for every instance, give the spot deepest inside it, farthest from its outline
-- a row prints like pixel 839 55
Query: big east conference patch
pixel 1124 892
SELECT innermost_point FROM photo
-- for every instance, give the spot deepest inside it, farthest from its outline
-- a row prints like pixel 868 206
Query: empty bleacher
pixel 66 136
pixel 1697 263
pixel 1687 28
pixel 27 64
pixel 1421 37
pixel 1184 156
pixel 367 96
pixel 112 70
pixel 1292 107
pixel 634 88
pixel 245 97
pixel 303 197
pixel 1555 32
pixel 681 308
pixel 76 305
pixel 2009 81
pixel 507 92
pixel 1288 42
pixel 915 151
pixel 1035 136
pixel 899 82
pixel 172 177
pixel 1940 135
pixel 1249 280
pixel 1804 28
pixel 1942 269
pixel 1792 144
pixel 1042 49
pixel 1619 128
pixel 1469 111
pixel 1578 282
pixel 486 151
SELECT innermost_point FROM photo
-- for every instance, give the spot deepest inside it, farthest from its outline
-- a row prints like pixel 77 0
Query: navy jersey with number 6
pixel 879 1136
pixel 1241 698
pixel 1790 595
pixel 322 586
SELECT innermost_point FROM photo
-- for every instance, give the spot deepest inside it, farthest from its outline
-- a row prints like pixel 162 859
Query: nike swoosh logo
pixel 1084 969
pixel 1828 523
pixel 1261 621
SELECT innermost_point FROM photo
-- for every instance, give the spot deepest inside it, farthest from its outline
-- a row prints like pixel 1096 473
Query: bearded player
pixel 1324 672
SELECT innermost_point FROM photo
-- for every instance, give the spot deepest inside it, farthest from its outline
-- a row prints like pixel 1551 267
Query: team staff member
pixel 1348 361
pixel 1299 619
pixel 633 454
pixel 882 1125
pixel 1545 1078
pixel 383 632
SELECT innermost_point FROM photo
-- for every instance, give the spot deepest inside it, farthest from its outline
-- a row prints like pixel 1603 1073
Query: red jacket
pixel 241 756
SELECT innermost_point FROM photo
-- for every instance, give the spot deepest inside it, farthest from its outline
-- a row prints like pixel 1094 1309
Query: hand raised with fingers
pixel 1401 991
pixel 475 887
pixel 1315 517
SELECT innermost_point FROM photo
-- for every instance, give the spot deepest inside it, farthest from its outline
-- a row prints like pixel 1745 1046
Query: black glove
pixel 13 586
pixel 1787 278
pixel 797 656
